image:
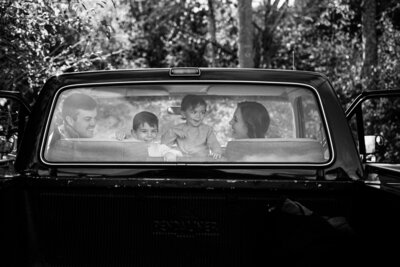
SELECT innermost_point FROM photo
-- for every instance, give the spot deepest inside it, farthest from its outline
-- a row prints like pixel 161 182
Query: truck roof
pixel 313 79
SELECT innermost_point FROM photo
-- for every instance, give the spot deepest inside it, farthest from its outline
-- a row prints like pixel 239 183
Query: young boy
pixel 193 137
pixel 145 129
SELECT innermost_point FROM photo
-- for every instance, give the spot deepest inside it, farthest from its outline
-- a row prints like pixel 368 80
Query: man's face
pixel 84 123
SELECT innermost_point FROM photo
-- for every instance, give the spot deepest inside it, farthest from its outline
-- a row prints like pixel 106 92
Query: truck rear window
pixel 165 123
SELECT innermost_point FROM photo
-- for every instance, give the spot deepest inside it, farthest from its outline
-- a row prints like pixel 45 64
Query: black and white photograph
pixel 199 133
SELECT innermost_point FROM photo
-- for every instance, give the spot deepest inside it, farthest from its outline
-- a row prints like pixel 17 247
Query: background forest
pixel 356 43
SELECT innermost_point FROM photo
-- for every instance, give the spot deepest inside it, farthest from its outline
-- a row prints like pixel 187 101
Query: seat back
pixel 283 150
pixel 81 150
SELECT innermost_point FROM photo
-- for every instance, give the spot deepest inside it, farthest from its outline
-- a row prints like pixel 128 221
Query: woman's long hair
pixel 256 118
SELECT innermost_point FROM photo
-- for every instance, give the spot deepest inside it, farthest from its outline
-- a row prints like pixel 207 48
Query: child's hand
pixel 170 157
pixel 120 135
pixel 180 133
pixel 215 155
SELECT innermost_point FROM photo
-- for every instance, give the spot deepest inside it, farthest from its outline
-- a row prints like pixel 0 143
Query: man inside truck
pixel 79 113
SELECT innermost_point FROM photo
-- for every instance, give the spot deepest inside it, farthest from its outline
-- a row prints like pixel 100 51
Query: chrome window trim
pixel 170 164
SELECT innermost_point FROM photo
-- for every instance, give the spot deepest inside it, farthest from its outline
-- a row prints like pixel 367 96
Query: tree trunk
pixel 212 32
pixel 370 45
pixel 245 14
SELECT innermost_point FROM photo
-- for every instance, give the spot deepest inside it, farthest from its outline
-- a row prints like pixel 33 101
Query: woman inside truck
pixel 250 120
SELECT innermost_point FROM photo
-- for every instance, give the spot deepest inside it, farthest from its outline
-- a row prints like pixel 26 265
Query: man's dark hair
pixel 256 118
pixel 144 117
pixel 192 101
pixel 77 101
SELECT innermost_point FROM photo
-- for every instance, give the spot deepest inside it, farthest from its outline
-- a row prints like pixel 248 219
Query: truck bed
pixel 64 222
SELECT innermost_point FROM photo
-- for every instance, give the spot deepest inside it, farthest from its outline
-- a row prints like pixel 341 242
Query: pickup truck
pixel 82 186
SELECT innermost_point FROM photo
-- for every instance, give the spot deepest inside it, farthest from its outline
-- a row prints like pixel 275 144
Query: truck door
pixel 374 118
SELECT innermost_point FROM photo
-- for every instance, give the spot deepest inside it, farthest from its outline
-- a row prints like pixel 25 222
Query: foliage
pixel 268 17
pixel 382 117
pixel 323 39
pixel 40 39
pixel 175 33
pixel 56 36
pixel 327 39
pixel 389 51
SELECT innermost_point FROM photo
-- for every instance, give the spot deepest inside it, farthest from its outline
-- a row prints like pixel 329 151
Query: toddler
pixel 193 137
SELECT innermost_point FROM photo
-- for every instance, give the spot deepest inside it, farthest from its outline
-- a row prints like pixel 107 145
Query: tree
pixel 245 18
pixel 370 45
pixel 269 16
pixel 212 32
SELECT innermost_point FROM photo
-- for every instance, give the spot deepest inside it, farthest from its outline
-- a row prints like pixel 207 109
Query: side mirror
pixel 14 112
pixel 7 153
pixel 7 134
pixel 6 145
pixel 372 144
pixel 9 119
